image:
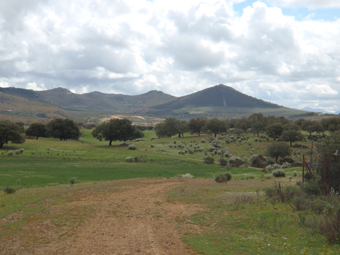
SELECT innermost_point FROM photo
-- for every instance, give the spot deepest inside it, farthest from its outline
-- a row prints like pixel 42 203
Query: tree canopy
pixel 63 129
pixel 196 125
pixel 10 132
pixel 278 149
pixel 215 126
pixel 114 130
pixel 275 130
pixel 292 136
pixel 36 129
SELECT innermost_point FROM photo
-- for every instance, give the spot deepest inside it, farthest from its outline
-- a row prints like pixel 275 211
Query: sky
pixel 282 51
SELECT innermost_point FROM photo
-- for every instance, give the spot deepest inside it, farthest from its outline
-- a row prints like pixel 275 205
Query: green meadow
pixel 237 217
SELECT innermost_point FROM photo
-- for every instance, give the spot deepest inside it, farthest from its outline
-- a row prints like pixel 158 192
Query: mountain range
pixel 219 99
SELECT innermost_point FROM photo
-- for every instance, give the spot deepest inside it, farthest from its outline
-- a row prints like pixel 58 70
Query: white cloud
pixel 4 84
pixel 34 86
pixel 132 46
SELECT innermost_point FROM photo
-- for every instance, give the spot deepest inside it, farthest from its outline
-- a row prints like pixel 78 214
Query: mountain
pixel 313 110
pixel 97 101
pixel 217 96
pixel 218 101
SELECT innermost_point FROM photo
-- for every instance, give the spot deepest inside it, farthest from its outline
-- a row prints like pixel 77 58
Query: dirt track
pixel 134 220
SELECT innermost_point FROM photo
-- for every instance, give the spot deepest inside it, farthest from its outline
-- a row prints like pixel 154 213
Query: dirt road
pixel 134 220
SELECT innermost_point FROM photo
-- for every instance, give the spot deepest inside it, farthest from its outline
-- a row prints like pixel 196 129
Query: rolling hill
pixel 220 99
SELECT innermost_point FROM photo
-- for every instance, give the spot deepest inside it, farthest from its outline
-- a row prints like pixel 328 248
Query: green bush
pixel 279 173
pixel 223 162
pixel 294 173
pixel 72 180
pixel 21 150
pixel 311 188
pixel 151 145
pixel 132 147
pixel 223 177
pixel 17 152
pixel 129 159
pixel 9 190
pixel 10 153
pixel 208 160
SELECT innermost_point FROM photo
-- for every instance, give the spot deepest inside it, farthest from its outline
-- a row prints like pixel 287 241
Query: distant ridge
pixel 213 101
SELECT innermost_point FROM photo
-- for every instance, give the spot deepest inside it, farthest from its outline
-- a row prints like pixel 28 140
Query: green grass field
pixel 49 160
pixel 230 223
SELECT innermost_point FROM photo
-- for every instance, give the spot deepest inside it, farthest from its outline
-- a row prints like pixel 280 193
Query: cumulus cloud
pixel 179 47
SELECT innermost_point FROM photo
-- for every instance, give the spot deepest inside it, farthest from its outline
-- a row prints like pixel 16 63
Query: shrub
pixel 279 173
pixel 181 152
pixel 223 177
pixel 208 160
pixel 32 152
pixel 151 145
pixel 175 142
pixel 171 146
pixel 132 147
pixel 308 176
pixel 203 140
pixel 258 161
pixel 187 175
pixel 72 180
pixel 235 161
pixel 9 190
pixel 10 153
pixel 223 162
pixel 21 150
pixel 311 188
pixel 330 226
pixel 294 173
pixel 17 152
pixel 129 159
pixel 135 159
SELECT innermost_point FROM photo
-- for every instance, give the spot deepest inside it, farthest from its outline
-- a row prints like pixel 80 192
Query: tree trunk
pixel 1 145
pixel 37 138
pixel 290 143
pixel 110 142
pixel 215 135
pixel 199 133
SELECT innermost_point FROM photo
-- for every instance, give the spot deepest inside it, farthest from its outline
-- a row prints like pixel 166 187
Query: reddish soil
pixel 136 219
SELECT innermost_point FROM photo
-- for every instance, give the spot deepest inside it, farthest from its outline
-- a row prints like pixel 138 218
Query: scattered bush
pixel 187 175
pixel 72 180
pixel 223 162
pixel 10 153
pixel 21 150
pixel 223 177
pixel 32 152
pixel 258 161
pixel 171 146
pixel 132 147
pixel 279 173
pixel 17 152
pixel 208 160
pixel 294 173
pixel 203 140
pixel 235 162
pixel 311 188
pixel 9 190
pixel 129 159
pixel 152 145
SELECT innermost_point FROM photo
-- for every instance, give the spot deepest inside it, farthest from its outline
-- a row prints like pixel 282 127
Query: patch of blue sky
pixel 299 13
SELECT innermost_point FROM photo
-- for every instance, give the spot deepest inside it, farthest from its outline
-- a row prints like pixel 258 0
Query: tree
pixel 215 126
pixel 63 129
pixel 275 130
pixel 10 132
pixel 160 130
pixel 114 130
pixel 292 136
pixel 196 125
pixel 36 129
pixel 181 127
pixel 278 149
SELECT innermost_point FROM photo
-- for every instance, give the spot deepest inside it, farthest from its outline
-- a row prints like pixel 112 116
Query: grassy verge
pixel 239 220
